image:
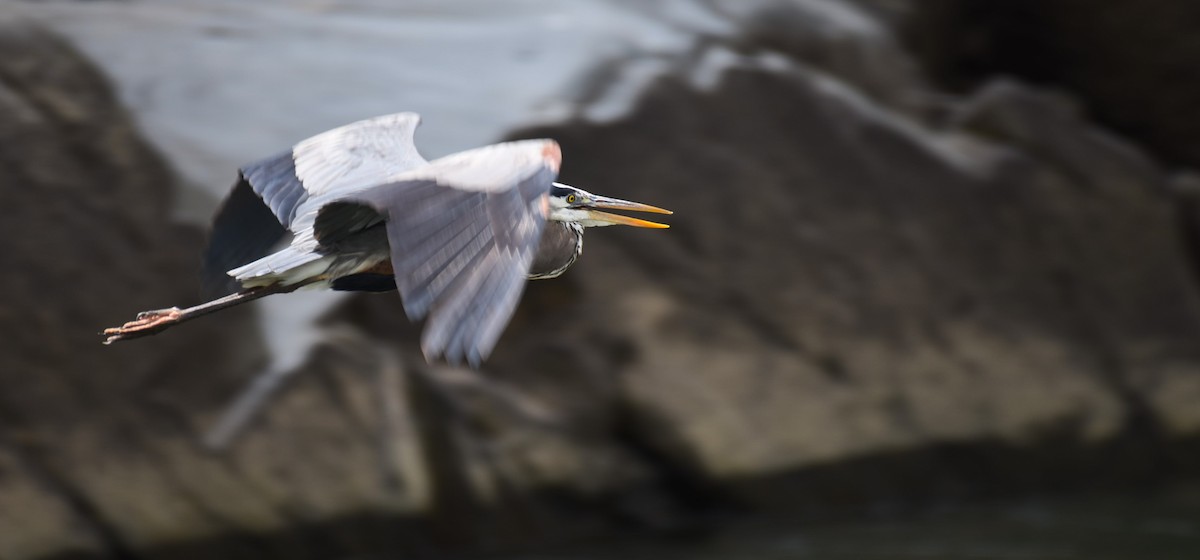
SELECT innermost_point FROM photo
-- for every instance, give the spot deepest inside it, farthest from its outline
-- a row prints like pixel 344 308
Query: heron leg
pixel 153 322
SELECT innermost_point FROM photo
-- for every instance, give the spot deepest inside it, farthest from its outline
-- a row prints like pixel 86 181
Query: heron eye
pixel 570 199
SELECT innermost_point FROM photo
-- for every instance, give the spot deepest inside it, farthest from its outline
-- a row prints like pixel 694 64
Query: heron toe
pixel 154 314
pixel 146 322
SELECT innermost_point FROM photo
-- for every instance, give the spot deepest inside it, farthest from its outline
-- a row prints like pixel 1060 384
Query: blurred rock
pixel 100 450
pixel 836 37
pixel 852 304
pixel 842 283
pixel 1131 62
pixel 85 243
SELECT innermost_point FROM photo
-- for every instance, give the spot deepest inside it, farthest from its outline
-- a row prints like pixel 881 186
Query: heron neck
pixel 561 245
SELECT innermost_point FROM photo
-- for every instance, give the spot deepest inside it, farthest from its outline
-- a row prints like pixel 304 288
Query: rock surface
pixel 841 283
pixel 100 453
pixel 97 446
pixel 856 302
pixel 1117 57
pixel 989 300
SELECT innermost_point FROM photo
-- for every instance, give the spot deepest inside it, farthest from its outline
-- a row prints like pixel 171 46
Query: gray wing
pixel 276 194
pixel 243 230
pixel 342 159
pixel 462 234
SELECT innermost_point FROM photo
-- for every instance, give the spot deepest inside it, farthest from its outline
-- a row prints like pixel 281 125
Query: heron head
pixel 569 204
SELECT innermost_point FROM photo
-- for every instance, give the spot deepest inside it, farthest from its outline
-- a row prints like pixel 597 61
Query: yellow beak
pixel 618 204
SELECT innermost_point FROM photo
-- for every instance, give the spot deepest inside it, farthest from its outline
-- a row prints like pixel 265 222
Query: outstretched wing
pixel 344 158
pixel 290 185
pixel 462 233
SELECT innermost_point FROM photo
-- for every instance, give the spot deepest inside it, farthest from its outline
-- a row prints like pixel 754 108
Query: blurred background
pixel 932 287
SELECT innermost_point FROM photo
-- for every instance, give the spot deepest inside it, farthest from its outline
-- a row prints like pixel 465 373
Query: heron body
pixel 357 208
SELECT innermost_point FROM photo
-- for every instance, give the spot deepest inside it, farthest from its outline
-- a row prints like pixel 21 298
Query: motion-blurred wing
pixel 345 158
pixel 462 233
pixel 290 185
pixel 243 230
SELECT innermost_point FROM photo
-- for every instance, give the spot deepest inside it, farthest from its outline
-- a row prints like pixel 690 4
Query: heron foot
pixel 146 323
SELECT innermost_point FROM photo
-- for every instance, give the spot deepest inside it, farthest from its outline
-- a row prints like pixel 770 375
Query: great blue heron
pixel 457 236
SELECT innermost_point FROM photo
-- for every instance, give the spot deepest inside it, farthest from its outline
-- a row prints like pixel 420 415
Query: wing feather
pixel 450 313
pixel 476 332
pixel 462 233
pixel 368 150
pixel 353 156
pixel 498 312
pixel 272 179
pixel 459 331
pixel 424 280
pixel 243 230
pixel 292 186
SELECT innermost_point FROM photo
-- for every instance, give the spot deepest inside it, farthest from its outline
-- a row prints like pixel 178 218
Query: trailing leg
pixel 156 321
